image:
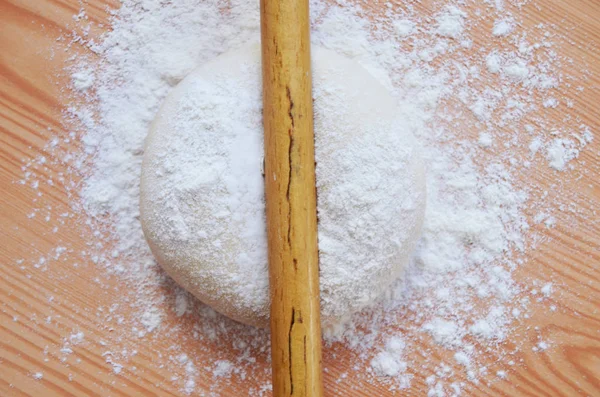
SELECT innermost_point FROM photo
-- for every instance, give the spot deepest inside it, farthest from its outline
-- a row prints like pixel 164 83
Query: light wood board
pixel 39 309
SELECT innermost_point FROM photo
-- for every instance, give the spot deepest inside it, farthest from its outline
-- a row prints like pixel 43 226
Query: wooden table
pixel 43 307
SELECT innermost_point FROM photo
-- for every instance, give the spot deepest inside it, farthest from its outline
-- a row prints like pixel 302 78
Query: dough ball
pixel 202 198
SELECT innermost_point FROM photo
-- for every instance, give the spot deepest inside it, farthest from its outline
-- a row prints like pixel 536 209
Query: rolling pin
pixel 291 198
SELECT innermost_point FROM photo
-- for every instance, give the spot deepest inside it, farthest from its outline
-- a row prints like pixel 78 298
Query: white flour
pixel 475 106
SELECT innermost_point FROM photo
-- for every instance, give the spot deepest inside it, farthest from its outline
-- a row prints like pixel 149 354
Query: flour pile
pixel 480 108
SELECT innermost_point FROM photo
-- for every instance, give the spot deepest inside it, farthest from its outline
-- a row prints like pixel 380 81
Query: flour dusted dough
pixel 202 199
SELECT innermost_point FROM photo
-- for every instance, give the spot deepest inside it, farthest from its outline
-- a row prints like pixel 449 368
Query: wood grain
pixel 291 198
pixel 40 309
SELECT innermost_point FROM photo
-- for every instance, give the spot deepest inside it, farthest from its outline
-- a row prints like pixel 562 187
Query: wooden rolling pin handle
pixel 291 198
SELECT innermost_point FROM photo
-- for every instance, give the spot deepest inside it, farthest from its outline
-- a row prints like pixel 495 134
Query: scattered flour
pixel 151 319
pixel 443 332
pixel 562 150
pixel 547 289
pixel 404 27
pixel 190 374
pixel 517 71
pixel 76 338
pixel 83 79
pixel 493 62
pixel 451 22
pixel 485 140
pixel 502 27
pixel 223 368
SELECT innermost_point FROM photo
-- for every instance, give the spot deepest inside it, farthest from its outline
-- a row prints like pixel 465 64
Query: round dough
pixel 202 198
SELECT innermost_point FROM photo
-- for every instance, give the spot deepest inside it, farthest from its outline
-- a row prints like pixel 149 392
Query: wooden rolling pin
pixel 291 198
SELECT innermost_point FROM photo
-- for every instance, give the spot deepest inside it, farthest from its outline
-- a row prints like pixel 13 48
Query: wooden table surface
pixel 42 307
